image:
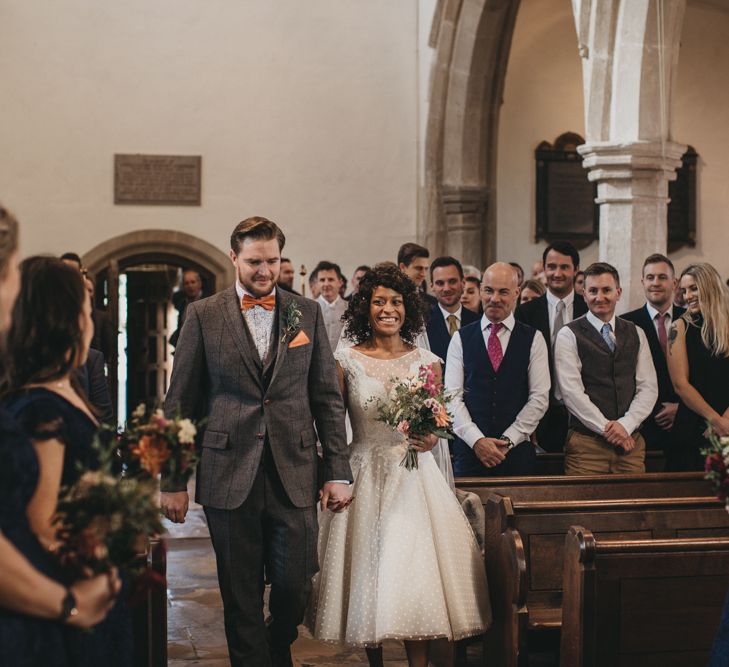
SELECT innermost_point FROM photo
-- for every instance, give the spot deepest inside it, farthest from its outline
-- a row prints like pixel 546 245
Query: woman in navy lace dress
pixel 48 339
pixel 32 601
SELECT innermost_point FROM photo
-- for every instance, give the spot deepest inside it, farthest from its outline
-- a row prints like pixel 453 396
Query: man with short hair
pixel 287 275
pixel 655 317
pixel 73 260
pixel 254 362
pixel 549 313
pixel 607 380
pixel 447 315
pixel 329 279
pixel 356 277
pixel 192 290
pixel 519 272
pixel 413 261
pixel 499 371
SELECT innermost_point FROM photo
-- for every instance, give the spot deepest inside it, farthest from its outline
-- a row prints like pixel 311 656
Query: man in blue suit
pixel 447 315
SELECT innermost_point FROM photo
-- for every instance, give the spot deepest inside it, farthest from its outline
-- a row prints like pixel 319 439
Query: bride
pixel 402 563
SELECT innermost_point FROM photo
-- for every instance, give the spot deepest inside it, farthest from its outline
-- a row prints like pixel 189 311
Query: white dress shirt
pixel 332 315
pixel 259 321
pixel 568 367
pixel 535 407
pixel 569 310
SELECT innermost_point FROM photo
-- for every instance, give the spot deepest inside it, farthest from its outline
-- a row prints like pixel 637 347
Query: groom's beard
pixel 260 288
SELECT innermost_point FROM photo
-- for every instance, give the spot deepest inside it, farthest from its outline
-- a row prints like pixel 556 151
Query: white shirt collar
pixel 508 323
pixel 598 323
pixel 324 302
pixel 240 291
pixel 553 300
pixel 446 314
pixel 653 312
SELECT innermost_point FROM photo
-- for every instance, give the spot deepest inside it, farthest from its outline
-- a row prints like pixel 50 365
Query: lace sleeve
pixel 42 420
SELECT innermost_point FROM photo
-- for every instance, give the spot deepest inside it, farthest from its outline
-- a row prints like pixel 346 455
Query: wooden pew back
pixel 641 602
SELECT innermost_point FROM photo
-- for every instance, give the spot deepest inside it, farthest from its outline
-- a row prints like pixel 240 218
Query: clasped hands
pixel 490 451
pixel 616 434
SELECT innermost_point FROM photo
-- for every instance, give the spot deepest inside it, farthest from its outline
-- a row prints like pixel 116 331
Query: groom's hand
pixel 335 496
pixel 490 451
pixel 174 505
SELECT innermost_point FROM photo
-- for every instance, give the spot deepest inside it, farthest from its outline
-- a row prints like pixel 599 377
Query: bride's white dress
pixel 402 561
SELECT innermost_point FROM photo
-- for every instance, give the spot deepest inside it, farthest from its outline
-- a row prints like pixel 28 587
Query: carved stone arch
pixel 161 244
pixel 472 39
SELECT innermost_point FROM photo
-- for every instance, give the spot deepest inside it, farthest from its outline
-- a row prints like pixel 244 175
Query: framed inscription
pixel 566 208
pixel 682 207
pixel 162 180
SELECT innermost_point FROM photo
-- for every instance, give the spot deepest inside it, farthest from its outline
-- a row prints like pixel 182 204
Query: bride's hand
pixel 423 443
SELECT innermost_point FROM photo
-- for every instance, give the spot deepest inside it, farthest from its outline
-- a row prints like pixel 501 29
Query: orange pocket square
pixel 299 339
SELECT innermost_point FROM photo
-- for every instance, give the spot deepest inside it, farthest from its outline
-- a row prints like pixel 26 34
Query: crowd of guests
pixel 577 378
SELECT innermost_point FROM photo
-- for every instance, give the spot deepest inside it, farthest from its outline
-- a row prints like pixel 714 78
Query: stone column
pixel 632 191
pixel 464 210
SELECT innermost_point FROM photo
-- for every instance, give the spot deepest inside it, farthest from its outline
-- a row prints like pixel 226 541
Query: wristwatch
pixel 509 444
pixel 68 607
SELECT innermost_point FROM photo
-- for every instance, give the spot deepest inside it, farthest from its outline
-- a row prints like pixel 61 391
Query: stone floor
pixel 195 611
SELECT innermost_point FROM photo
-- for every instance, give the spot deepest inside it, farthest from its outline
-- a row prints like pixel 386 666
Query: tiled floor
pixel 195 612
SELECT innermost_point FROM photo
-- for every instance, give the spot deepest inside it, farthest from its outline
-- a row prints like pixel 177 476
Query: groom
pixel 256 363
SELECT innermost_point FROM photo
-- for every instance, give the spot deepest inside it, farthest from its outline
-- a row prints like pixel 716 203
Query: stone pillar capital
pixel 611 161
pixel 464 200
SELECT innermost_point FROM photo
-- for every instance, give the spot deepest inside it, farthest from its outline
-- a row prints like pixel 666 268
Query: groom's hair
pixel 256 228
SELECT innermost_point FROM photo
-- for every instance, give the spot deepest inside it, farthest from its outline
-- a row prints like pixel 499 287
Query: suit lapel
pixel 234 319
pixel 277 347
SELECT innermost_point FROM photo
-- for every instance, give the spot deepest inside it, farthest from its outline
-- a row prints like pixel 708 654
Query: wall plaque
pixel 172 180
pixel 566 208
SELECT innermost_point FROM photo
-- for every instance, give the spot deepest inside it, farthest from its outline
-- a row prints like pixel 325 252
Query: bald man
pixel 499 369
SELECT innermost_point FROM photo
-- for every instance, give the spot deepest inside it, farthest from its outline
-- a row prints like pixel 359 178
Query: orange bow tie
pixel 265 302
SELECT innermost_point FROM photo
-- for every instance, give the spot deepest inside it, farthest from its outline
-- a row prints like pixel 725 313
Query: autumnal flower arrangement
pixel 717 460
pixel 417 406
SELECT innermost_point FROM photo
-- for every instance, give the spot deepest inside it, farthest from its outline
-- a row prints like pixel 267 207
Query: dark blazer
pixel 217 374
pixel 437 329
pixel 535 313
pixel 92 379
pixel 654 435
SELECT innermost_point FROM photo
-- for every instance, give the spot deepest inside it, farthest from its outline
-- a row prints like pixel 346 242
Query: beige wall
pixel 543 98
pixel 302 111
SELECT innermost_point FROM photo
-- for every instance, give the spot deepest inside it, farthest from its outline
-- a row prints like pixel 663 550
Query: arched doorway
pixel 135 276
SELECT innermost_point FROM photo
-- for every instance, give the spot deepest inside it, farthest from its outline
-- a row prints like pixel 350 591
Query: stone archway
pixel 156 242
pixel 472 39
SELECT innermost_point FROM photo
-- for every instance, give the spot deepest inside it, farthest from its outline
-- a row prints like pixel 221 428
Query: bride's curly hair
pixel 357 316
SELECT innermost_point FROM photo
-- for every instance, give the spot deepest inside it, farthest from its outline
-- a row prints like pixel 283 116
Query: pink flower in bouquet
pixel 403 427
pixel 715 463
pixel 158 418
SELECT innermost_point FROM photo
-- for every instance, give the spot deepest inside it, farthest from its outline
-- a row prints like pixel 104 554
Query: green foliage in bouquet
pixel 717 460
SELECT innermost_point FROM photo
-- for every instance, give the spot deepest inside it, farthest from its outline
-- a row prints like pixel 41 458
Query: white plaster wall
pixel 543 97
pixel 702 120
pixel 305 112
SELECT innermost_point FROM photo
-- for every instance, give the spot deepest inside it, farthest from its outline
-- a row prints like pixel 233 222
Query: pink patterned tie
pixel 496 354
pixel 661 328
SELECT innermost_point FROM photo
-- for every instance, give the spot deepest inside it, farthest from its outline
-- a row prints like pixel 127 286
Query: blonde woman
pixel 698 361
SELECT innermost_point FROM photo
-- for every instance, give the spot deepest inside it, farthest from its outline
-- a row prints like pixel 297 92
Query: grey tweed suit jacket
pixel 217 375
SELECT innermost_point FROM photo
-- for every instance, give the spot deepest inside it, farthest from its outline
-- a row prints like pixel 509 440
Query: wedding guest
pixel 287 275
pixel 698 361
pixel 313 285
pixel 499 370
pixel 530 290
pixel 549 313
pixel 607 380
pixel 402 521
pixel 447 315
pixel 471 298
pixel 329 278
pixel 655 317
pixel 49 337
pixel 357 276
pixel 192 290
pixel 73 260
pixel 580 283
pixel 471 271
pixel 93 382
pixel 34 605
pixel 413 260
pixel 519 272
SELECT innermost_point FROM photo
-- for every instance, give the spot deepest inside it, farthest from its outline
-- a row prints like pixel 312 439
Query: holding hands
pixel 335 496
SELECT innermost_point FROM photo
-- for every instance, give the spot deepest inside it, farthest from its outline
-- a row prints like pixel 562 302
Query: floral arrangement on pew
pixel 107 517
pixel 417 406
pixel 717 460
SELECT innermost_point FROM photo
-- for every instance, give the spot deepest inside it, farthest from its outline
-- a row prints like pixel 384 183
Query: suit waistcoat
pixel 608 377
pixel 493 398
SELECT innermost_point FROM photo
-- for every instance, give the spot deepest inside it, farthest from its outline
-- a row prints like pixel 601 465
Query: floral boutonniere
pixel 291 319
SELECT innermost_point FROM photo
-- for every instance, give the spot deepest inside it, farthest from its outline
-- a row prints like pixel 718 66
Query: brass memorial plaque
pixel 172 180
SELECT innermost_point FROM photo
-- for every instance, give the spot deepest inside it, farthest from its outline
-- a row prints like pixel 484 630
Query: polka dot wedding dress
pixel 401 562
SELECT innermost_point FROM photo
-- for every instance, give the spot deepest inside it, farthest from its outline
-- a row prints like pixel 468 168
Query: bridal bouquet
pixel 417 406
pixel 152 444
pixel 717 461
